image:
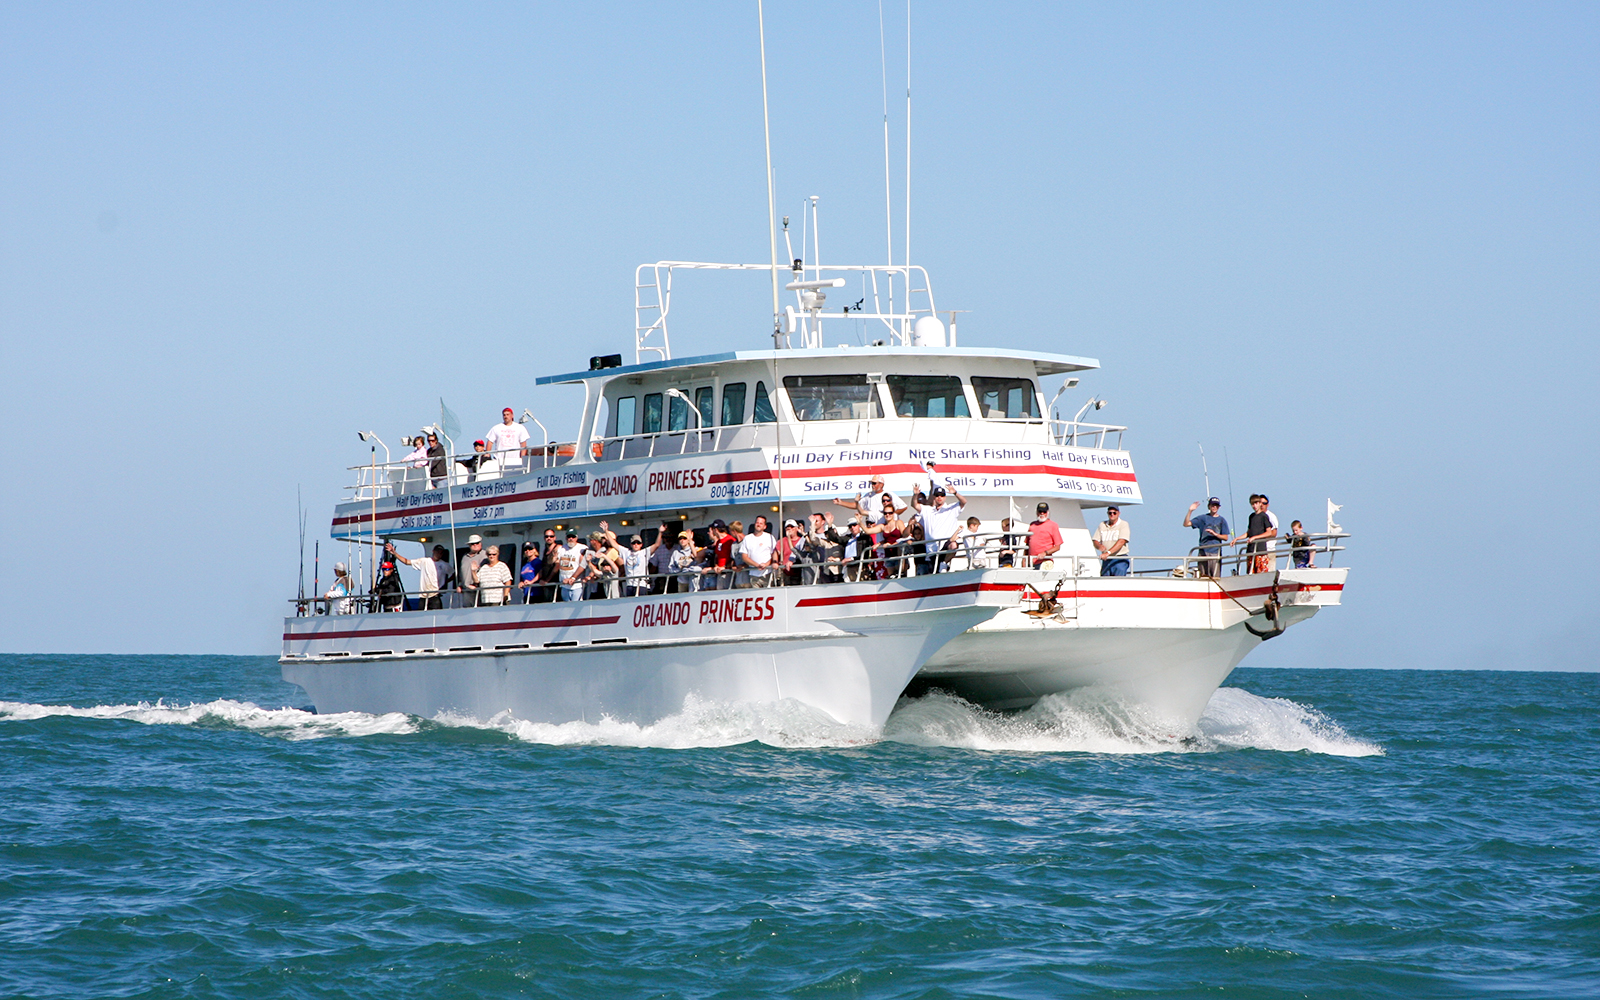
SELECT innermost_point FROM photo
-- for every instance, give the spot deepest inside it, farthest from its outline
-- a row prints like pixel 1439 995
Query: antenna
pixel 907 243
pixel 1203 468
pixel 772 209
pixel 888 206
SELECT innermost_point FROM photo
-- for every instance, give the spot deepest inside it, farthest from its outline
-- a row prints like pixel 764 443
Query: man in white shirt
pixel 755 554
pixel 574 569
pixel 635 569
pixel 941 521
pixel 1112 541
pixel 494 580
pixel 508 443
pixel 428 575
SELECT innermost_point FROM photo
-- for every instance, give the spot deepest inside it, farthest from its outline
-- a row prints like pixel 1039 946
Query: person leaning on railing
pixel 339 592
pixel 493 578
pixel 1112 540
pixel 1301 551
pixel 438 464
pixel 1044 537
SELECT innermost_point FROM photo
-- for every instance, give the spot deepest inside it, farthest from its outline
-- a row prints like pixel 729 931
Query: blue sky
pixel 1354 246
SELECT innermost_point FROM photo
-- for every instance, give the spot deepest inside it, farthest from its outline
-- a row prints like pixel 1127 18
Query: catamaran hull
pixel 1160 647
pixel 848 654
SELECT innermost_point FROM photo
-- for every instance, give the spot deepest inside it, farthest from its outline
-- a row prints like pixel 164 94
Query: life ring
pixel 570 450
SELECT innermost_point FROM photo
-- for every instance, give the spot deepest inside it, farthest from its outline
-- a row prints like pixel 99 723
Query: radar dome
pixel 928 332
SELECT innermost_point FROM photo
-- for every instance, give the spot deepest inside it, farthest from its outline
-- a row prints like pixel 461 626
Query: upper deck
pixel 791 424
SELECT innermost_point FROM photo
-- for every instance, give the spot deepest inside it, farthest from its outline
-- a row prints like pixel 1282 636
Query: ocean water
pixel 178 827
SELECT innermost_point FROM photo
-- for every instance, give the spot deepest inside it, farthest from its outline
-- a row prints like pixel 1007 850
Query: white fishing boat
pixel 678 449
pixel 671 445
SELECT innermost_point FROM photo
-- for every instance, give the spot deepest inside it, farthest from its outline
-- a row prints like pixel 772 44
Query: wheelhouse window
pixel 832 397
pixel 652 414
pixel 762 413
pixel 927 396
pixel 677 413
pixel 732 404
pixel 704 402
pixel 622 416
pixel 1006 398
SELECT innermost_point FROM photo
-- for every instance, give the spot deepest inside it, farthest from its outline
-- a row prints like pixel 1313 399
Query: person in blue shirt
pixel 528 580
pixel 1213 532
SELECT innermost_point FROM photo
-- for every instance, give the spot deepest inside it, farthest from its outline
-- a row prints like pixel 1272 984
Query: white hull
pixel 1159 646
pixel 845 650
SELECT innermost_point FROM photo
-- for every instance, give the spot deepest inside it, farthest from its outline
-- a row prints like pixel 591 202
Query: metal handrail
pixel 379 480
pixel 907 559
pixel 1068 432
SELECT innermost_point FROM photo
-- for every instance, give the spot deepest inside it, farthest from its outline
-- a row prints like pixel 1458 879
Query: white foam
pixel 700 724
pixel 1094 722
pixel 1080 722
pixel 289 723
pixel 1236 719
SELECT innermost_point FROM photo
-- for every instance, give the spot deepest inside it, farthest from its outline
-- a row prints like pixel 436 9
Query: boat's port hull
pixel 831 649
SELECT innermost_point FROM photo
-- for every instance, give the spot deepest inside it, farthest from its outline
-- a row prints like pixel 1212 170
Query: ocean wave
pixel 1080 722
pixel 288 723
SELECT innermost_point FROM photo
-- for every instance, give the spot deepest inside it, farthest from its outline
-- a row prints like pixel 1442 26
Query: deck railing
pixel 990 550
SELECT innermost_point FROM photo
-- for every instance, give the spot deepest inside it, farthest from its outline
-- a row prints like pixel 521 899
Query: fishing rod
pixel 1232 521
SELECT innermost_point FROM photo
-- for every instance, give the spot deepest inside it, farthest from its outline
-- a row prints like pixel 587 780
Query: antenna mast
pixel 908 155
pixel 888 207
pixel 772 230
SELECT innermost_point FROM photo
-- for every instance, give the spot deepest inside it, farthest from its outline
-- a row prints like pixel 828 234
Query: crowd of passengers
pixel 885 538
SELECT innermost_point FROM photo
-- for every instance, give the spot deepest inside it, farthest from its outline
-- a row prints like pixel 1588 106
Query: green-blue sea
pixel 182 827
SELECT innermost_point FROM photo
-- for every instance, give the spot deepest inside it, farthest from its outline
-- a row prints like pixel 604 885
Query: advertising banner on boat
pixel 720 479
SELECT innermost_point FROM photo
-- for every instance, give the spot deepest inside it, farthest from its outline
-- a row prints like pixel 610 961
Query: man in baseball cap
pixel 508 442
pixel 1213 532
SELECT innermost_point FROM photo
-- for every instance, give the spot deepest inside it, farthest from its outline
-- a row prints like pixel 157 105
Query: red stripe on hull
pixel 1191 595
pixel 450 629
pixel 905 595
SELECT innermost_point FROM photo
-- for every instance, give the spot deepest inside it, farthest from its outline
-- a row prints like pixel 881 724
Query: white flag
pixel 1333 529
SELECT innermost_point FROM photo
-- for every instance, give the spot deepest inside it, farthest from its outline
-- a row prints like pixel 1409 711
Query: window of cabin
pixel 652 414
pixel 832 397
pixel 704 402
pixel 927 395
pixel 762 414
pixel 677 413
pixel 622 417
pixel 732 404
pixel 1006 398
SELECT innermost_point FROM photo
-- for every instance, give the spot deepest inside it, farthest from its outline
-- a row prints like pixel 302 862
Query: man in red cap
pixel 508 442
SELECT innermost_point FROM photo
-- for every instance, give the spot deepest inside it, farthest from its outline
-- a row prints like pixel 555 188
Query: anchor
pixel 1048 607
pixel 1270 608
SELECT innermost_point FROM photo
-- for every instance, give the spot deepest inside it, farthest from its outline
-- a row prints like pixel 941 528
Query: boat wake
pixel 1079 723
pixel 288 723
pixel 700 724
pixel 1093 722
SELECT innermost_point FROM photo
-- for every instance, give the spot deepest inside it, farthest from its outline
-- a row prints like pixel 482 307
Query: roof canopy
pixel 1043 364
